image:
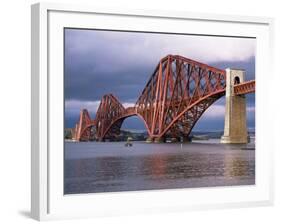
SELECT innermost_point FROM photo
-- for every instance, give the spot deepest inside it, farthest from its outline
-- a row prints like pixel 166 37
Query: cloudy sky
pixel 100 62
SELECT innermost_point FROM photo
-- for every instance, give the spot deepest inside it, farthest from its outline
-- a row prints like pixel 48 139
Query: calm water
pixel 110 167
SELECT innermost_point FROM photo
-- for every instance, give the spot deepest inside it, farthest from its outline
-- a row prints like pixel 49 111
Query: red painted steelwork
pixel 245 87
pixel 82 131
pixel 174 98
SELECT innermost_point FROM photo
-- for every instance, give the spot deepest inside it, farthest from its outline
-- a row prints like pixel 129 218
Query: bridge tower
pixel 235 124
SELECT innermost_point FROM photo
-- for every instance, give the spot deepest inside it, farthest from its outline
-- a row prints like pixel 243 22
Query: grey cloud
pixel 100 62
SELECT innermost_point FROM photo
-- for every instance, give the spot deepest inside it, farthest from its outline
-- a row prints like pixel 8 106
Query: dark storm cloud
pixel 102 62
pixel 247 65
pixel 99 62
pixel 99 67
pixel 126 85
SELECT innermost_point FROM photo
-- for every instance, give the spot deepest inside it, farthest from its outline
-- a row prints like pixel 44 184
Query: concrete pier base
pixel 159 140
pixel 174 140
pixel 149 140
pixel 235 124
pixel 186 139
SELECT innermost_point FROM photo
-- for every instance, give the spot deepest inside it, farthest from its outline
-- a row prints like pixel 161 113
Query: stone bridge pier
pixel 235 124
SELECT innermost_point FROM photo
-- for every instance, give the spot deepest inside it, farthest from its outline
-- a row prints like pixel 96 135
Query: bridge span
pixel 176 95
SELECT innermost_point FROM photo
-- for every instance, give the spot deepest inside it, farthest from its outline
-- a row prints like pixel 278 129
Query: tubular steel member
pixel 177 94
pixel 174 98
pixel 83 128
pixel 109 109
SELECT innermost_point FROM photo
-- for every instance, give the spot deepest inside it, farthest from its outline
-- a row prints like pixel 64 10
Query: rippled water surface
pixel 111 167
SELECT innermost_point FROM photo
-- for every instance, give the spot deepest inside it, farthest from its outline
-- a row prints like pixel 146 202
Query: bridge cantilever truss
pixel 174 98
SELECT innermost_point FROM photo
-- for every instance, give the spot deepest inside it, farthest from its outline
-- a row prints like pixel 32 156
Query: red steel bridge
pixel 174 98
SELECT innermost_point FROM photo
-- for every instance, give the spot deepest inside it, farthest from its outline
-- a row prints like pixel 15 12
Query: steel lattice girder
pixel 82 129
pixel 176 84
pixel 174 98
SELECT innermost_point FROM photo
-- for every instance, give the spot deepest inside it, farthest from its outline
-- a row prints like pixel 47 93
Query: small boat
pixel 129 143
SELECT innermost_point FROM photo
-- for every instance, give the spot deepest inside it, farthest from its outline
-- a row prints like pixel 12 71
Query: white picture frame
pixel 48 201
